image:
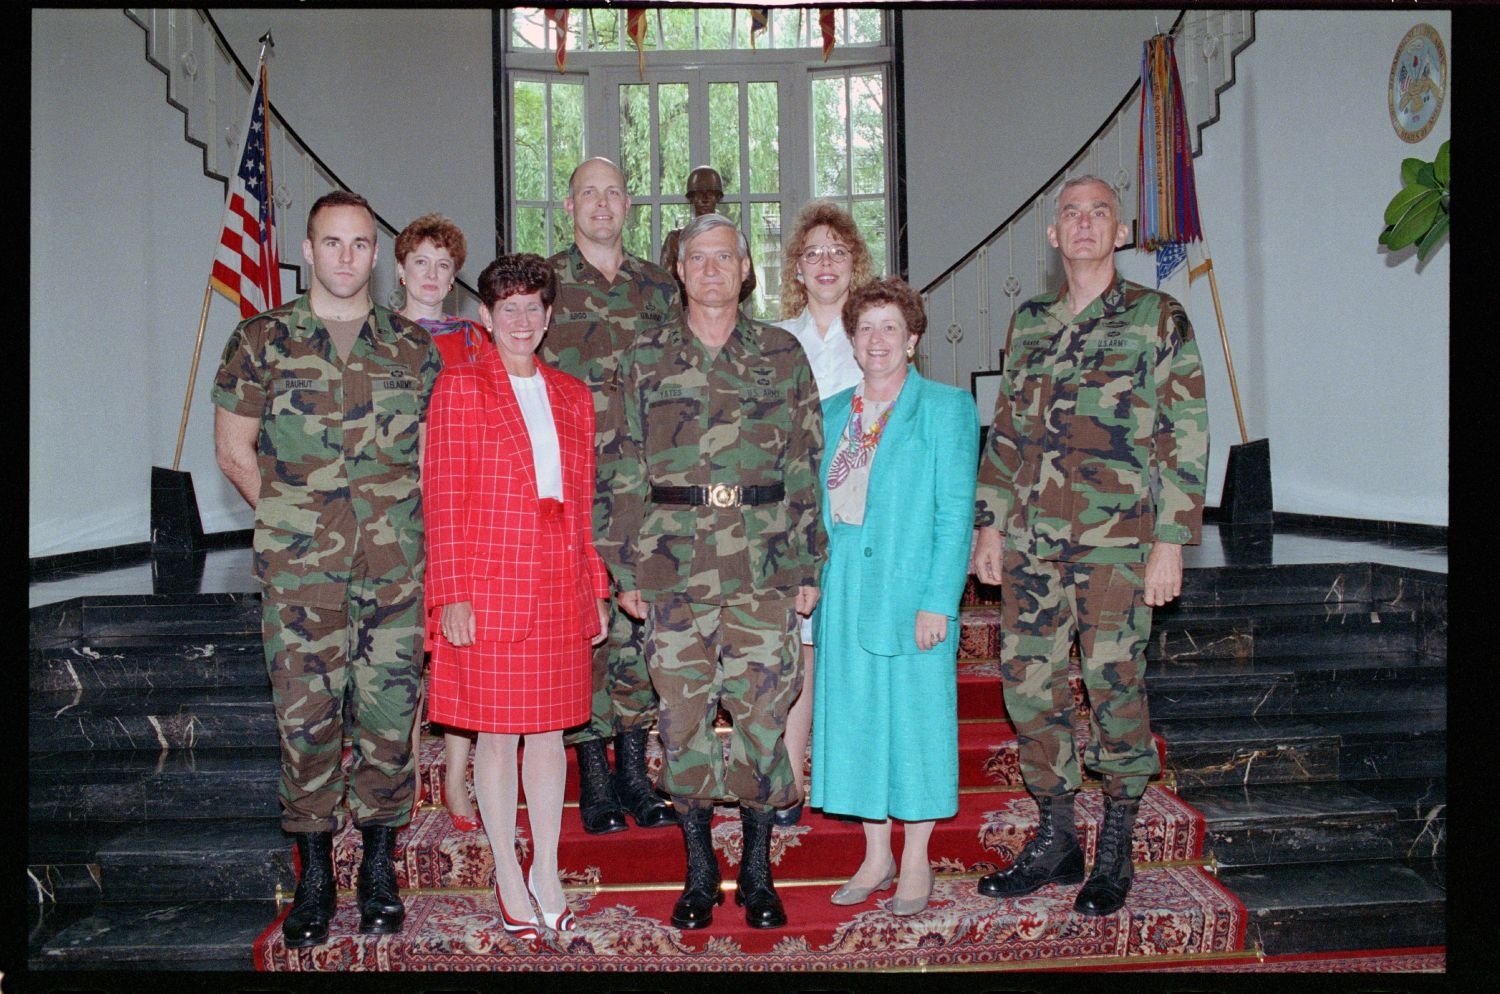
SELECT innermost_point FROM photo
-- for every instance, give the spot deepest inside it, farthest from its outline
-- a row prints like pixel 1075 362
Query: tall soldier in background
pixel 605 298
pixel 320 408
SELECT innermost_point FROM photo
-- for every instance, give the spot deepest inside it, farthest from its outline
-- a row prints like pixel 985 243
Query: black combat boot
pixel 598 806
pixel 633 786
pixel 755 889
pixel 1053 856
pixel 312 905
pixel 695 908
pixel 1109 882
pixel 380 909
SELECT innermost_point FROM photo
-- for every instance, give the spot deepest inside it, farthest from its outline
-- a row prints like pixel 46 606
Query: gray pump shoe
pixel 852 893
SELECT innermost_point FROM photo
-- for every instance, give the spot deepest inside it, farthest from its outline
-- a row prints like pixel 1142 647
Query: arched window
pixel 780 124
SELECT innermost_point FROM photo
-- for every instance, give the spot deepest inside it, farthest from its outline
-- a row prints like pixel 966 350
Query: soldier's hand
pixel 1163 573
pixel 931 629
pixel 807 599
pixel 632 603
pixel 988 552
pixel 458 624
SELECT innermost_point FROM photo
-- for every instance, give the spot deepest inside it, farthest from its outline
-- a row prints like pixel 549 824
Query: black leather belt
pixel 719 495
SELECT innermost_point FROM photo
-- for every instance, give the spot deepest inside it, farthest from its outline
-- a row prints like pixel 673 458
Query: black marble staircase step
pixel 188 614
pixel 1376 904
pixel 1297 748
pixel 1296 685
pixel 191 935
pixel 1421 808
pixel 158 718
pixel 146 661
pixel 225 859
pixel 1293 823
pixel 1287 635
pixel 1296 583
pixel 1178 612
pixel 121 785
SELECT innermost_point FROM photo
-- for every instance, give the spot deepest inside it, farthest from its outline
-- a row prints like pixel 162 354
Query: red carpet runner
pixel 621 886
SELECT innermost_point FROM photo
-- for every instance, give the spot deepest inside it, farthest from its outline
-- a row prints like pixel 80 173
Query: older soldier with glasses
pixel 718 542
pixel 1091 483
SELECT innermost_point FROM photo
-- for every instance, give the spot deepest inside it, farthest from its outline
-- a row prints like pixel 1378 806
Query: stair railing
pixel 969 305
pixel 212 88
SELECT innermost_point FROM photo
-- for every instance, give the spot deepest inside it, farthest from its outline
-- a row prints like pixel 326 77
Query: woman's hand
pixel 458 624
pixel 603 605
pixel 931 629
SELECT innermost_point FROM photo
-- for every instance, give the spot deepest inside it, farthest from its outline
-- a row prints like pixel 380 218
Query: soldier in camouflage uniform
pixel 318 424
pixel 605 298
pixel 715 538
pixel 1094 472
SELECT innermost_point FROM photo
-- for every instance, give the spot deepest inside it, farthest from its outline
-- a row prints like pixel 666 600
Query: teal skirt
pixel 885 728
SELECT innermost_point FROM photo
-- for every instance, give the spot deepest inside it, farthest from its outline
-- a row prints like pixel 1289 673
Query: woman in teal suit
pixel 899 459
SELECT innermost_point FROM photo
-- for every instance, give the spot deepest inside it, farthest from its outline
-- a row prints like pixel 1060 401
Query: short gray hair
pixel 1068 184
pixel 706 222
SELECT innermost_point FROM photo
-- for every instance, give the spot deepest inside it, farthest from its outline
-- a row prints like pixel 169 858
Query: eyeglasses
pixel 834 253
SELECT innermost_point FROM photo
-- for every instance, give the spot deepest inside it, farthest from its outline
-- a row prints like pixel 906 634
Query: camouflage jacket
pixel 749 415
pixel 1099 445
pixel 594 320
pixel 337 447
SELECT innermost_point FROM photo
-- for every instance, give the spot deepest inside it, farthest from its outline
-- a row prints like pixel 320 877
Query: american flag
pixel 246 268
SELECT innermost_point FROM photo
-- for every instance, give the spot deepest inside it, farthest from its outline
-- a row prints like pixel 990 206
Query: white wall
pixel 996 102
pixel 1340 349
pixel 124 223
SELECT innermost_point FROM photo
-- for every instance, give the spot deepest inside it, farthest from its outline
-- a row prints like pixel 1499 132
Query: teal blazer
pixel 919 514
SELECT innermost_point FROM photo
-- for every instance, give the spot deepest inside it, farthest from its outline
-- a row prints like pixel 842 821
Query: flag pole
pixel 187 401
pixel 1234 388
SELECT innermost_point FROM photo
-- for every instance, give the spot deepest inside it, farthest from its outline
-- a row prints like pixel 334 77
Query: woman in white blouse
pixel 825 259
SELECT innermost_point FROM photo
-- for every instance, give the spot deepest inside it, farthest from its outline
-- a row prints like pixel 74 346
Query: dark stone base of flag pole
pixel 176 528
pixel 1247 485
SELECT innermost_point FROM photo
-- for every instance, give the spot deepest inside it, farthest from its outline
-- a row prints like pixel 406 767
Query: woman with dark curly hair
pixel 515 590
pixel 826 257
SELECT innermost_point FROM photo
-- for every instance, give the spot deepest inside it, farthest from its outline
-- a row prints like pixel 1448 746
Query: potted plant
pixel 1419 213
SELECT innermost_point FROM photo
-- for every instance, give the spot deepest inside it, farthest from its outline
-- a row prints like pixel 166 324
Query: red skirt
pixel 541 683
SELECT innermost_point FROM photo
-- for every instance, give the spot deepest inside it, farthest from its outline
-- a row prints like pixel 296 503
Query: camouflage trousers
pixel 372 645
pixel 745 655
pixel 623 697
pixel 1043 606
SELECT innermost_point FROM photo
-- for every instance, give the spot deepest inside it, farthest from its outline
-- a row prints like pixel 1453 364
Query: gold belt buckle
pixel 724 495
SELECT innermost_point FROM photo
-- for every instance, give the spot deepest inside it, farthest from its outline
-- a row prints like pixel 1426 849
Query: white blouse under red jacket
pixel 479 497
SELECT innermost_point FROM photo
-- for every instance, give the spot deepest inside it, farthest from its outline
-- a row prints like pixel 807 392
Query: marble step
pixel 141 785
pixel 1296 748
pixel 226 859
pixel 990 827
pixel 1288 583
pixel 128 663
pixel 155 935
pixel 168 718
pixel 1297 685
pixel 1345 905
pixel 192 615
pixel 1294 823
pixel 1298 633
pixel 1421 808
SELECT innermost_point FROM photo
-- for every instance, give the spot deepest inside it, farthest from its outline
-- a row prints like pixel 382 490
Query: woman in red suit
pixel 515 591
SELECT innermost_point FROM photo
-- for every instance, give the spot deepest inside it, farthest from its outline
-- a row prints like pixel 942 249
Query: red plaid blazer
pixel 480 500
